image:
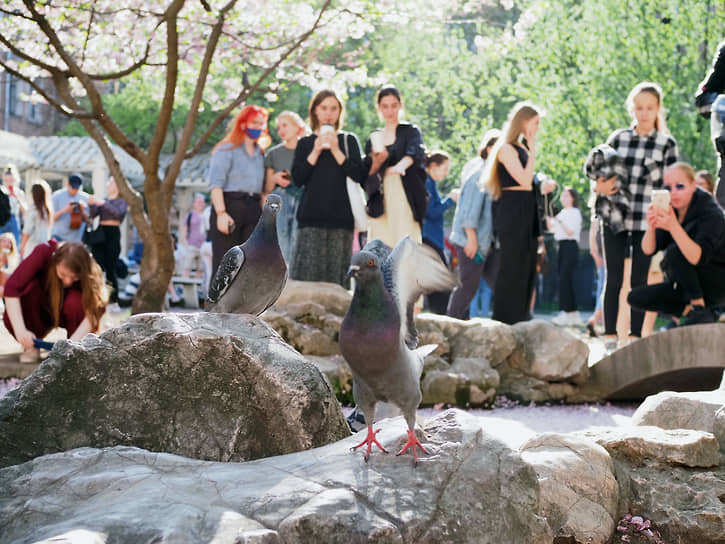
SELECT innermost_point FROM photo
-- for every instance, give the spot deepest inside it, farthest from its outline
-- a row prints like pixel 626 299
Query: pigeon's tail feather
pixel 424 351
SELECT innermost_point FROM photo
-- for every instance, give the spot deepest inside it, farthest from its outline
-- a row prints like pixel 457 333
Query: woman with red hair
pixel 236 180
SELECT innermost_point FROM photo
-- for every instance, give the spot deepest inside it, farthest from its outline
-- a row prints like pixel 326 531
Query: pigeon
pixel 378 338
pixel 252 275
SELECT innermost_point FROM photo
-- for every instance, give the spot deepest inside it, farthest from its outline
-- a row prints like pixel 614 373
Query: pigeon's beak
pixel 353 270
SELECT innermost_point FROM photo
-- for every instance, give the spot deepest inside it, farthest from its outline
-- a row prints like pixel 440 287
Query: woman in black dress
pixel 322 162
pixel 509 178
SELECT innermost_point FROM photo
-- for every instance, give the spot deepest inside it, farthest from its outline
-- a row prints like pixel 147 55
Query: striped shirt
pixel 645 159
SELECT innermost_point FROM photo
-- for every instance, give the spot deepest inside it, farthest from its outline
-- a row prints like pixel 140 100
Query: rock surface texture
pixel 206 386
pixel 472 488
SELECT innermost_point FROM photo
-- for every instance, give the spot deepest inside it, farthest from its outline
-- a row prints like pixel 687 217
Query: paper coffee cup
pixel 376 141
pixel 326 129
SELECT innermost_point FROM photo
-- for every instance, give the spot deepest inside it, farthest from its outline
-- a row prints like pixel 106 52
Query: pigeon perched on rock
pixel 252 275
pixel 378 338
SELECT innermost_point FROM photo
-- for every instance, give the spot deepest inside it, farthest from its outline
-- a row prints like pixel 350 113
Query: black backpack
pixel 4 207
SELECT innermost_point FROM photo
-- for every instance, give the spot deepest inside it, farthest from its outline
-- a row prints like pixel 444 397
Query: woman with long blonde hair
pixel 57 285
pixel 509 179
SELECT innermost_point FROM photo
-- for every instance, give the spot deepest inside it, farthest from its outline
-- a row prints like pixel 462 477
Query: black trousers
pixel 685 282
pixel 437 302
pixel 514 220
pixel 469 274
pixel 106 255
pixel 615 251
pixel 245 211
pixel 720 190
pixel 567 261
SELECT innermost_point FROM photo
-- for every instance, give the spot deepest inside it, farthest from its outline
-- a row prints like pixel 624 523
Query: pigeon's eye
pixel 371 263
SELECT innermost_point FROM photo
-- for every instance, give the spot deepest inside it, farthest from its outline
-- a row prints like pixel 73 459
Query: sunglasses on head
pixel 677 186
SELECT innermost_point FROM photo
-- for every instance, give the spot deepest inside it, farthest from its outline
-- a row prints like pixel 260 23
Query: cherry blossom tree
pixel 218 53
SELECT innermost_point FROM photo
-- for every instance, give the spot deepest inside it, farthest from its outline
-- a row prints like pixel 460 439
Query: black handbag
pixel 94 235
pixel 375 206
pixel 703 102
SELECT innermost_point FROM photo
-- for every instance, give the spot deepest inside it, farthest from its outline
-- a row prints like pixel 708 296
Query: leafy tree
pixel 204 52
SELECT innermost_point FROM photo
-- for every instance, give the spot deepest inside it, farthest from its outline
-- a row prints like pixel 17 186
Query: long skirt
pixel 322 255
pixel 397 220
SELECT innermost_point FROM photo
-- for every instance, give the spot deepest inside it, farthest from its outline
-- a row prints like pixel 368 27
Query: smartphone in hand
pixel 661 199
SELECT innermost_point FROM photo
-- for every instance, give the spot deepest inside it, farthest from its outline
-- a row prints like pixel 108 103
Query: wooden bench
pixel 191 290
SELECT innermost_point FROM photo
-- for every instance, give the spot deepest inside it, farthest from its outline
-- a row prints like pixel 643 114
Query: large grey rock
pixel 548 353
pixel 652 445
pixel 579 493
pixel 701 410
pixel 686 506
pixel 472 488
pixel 207 386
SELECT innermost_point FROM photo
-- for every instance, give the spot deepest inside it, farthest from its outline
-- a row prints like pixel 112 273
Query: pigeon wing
pixel 412 270
pixel 228 269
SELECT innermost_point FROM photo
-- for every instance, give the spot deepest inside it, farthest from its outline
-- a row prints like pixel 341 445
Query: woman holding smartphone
pixel 322 163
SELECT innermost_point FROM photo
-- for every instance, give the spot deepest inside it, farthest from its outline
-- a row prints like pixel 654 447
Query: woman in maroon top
pixel 57 285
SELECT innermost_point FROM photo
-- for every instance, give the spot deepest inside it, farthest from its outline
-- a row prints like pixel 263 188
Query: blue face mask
pixel 253 133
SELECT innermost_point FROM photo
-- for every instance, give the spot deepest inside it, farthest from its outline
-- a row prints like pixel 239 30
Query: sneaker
pixel 31 356
pixel 561 319
pixel 574 318
pixel 610 345
pixel 698 315
pixel 672 324
pixel 115 308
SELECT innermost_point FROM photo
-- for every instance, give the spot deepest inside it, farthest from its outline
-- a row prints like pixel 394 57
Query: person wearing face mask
pixel 57 285
pixel 236 181
pixel 321 165
pixel 691 231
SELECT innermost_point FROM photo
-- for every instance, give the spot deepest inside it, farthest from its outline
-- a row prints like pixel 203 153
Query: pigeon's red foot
pixel 370 440
pixel 412 443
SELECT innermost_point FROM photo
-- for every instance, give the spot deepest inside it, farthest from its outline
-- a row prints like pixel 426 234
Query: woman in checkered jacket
pixel 646 149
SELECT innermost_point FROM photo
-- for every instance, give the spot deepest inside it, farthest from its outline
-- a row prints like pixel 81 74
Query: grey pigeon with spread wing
pixel 378 337
pixel 252 275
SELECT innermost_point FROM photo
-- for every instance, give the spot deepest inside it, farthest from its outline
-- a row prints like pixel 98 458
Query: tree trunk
pixel 157 263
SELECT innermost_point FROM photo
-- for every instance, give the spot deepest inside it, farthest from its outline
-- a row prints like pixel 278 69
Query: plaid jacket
pixel 644 159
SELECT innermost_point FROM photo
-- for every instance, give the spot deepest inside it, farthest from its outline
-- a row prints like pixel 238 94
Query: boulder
pixel 338 374
pixel 307 327
pixel 207 386
pixel 467 382
pixel 579 493
pixel 549 353
pixel 333 298
pixel 703 411
pixel 685 505
pixel 472 488
pixel 652 445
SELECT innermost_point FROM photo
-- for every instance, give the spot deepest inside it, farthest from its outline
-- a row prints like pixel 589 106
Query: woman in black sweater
pixel 322 162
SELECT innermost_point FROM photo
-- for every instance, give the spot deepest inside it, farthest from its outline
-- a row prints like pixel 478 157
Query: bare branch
pixel 172 76
pixel 65 110
pixel 247 91
pixel 174 167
